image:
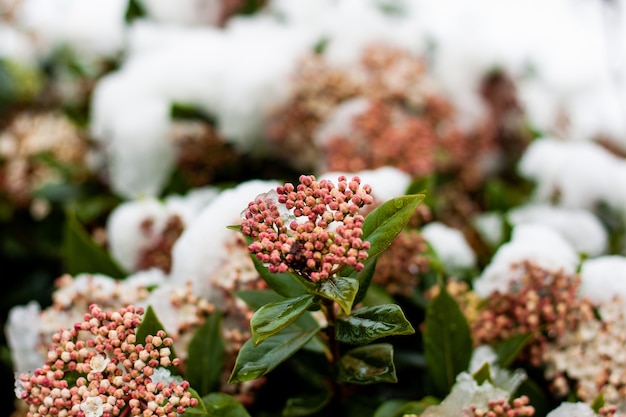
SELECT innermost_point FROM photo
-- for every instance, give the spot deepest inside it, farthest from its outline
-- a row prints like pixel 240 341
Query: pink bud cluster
pixel 98 368
pixel 501 408
pixel 313 229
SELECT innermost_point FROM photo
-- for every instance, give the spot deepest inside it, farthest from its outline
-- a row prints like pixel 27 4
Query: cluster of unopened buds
pixel 313 229
pixel 501 408
pixel 99 368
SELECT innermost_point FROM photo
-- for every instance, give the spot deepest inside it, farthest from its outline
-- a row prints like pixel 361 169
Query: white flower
pixel 165 376
pixel 92 407
pixel 578 409
pixel 19 386
pixel 98 363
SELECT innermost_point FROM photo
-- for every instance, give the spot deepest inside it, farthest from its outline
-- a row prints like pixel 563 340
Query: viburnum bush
pixel 285 208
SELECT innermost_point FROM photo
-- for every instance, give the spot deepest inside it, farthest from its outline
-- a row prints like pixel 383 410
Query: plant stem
pixel 329 311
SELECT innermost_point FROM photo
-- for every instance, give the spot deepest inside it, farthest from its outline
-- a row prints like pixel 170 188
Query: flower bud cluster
pixel 545 305
pixel 501 408
pixel 99 368
pixel 590 360
pixel 313 229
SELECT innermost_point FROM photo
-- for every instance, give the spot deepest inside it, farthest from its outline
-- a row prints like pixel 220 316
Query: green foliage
pixel 82 255
pixel 274 317
pixel 385 223
pixel 508 350
pixel 483 374
pixel 206 356
pixel 342 290
pixel 368 365
pixel 256 361
pixel 400 408
pixel 447 341
pixel 370 323
pixel 150 325
pixel 218 404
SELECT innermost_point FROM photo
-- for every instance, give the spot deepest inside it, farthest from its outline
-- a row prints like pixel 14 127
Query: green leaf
pixel 339 289
pixel 384 223
pixel 598 403
pixel 400 408
pixel 219 404
pixel 256 361
pixel 483 374
pixel 256 299
pixel 447 341
pixel 367 365
pixel 150 325
pixel 508 350
pixel 206 356
pixel 200 409
pixel 364 277
pixel 82 255
pixel 286 284
pixel 536 394
pixel 274 317
pixel 307 405
pixel 377 295
pixel 370 323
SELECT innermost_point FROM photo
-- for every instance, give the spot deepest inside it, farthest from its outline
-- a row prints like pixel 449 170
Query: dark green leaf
pixel 150 325
pixel 384 223
pixel 256 299
pixel 447 341
pixel 483 374
pixel 400 408
pixel 339 289
pixel 370 323
pixel 307 405
pixel 364 277
pixel 288 285
pixel 82 255
pixel 206 356
pixel 367 365
pixel 536 395
pixel 508 350
pixel 219 404
pixel 256 361
pixel 274 317
pixel 377 295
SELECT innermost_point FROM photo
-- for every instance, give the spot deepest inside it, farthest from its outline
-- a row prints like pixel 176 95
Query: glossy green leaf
pixel 256 361
pixel 367 365
pixel 508 350
pixel 206 356
pixel 274 317
pixel 339 289
pixel 219 404
pixel 287 284
pixel 483 374
pixel 82 255
pixel 364 277
pixel 307 404
pixel 370 323
pixel 384 223
pixel 447 341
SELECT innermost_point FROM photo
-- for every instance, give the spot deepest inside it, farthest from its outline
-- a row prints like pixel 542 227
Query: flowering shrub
pixel 286 208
